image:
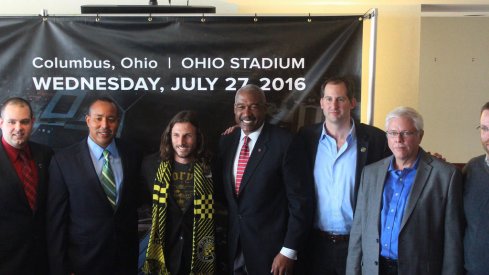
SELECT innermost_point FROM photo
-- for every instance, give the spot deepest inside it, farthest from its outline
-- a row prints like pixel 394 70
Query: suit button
pixel 239 217
pixel 377 240
pixel 376 263
pixel 181 238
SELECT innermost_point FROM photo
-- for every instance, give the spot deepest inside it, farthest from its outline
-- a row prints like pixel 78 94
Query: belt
pixel 334 238
pixel 389 263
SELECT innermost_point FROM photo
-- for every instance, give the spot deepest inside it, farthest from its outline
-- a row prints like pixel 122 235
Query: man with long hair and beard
pixel 182 232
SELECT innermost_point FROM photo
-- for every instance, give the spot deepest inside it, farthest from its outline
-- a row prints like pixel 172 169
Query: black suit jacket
pixel 22 234
pixel 179 225
pixel 371 147
pixel 85 235
pixel 274 207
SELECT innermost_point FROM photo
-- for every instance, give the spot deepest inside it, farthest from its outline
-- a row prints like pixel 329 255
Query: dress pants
pixel 326 254
pixel 387 266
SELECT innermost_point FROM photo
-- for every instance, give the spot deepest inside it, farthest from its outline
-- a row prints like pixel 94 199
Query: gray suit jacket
pixel 430 239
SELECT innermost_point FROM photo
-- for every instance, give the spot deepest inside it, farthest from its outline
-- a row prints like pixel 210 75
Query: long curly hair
pixel 166 149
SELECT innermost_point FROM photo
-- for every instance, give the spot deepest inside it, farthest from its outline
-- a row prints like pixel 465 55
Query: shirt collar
pixel 13 152
pixel 253 135
pixel 351 134
pixel 97 150
pixel 415 166
pixel 487 159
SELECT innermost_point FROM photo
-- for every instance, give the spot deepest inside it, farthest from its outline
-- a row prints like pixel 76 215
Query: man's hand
pixel 282 265
pixel 437 155
pixel 229 130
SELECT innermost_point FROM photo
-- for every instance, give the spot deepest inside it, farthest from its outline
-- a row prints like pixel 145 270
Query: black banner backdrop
pixel 155 67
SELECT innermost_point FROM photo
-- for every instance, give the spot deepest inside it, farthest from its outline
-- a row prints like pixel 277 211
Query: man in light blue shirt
pixel 337 150
pixel 334 177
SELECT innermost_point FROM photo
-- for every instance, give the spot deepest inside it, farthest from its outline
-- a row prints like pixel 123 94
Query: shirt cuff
pixel 289 253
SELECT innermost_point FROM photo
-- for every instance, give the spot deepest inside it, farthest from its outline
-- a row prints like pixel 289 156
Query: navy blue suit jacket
pixel 85 234
pixel 274 206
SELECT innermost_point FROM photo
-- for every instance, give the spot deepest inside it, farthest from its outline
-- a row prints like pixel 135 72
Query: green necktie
pixel 108 180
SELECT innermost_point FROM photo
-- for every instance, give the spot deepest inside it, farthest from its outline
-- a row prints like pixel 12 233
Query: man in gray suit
pixel 409 216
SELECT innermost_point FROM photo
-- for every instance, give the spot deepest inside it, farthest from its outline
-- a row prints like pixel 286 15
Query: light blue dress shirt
pixel 395 196
pixel 115 162
pixel 334 178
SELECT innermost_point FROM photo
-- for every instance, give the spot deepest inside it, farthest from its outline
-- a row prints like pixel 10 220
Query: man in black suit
pixel 23 181
pixel 268 198
pixel 182 232
pixel 93 196
pixel 337 150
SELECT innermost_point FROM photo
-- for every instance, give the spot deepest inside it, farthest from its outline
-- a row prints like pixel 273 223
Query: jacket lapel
pixel 86 165
pixel 39 160
pixel 10 178
pixel 314 141
pixel 125 159
pixel 422 175
pixel 229 162
pixel 379 182
pixel 362 150
pixel 256 156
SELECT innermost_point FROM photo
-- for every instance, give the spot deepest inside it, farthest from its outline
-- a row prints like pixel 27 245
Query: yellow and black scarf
pixel 203 246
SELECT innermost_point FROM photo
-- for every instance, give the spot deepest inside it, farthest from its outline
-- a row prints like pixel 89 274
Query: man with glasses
pixel 409 217
pixel 476 202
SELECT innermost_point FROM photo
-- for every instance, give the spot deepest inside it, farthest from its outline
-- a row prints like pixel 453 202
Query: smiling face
pixel 16 124
pixel 184 141
pixel 249 110
pixel 103 122
pixel 336 105
pixel 404 147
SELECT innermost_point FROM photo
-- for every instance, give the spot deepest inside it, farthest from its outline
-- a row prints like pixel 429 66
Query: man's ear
pixel 353 103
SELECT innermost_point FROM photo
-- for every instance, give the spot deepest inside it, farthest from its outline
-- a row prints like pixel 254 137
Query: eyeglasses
pixel 403 134
pixel 484 129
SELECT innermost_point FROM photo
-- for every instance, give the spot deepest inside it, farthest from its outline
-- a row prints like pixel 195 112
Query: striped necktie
pixel 244 155
pixel 30 185
pixel 108 180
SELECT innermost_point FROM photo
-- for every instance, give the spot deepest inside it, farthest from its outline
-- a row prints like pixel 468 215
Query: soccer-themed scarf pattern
pixel 203 246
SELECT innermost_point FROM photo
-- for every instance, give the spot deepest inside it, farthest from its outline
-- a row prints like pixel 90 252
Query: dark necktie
pixel 108 180
pixel 244 155
pixel 30 185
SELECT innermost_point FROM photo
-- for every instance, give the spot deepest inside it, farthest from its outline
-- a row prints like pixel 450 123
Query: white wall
pixel 454 84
